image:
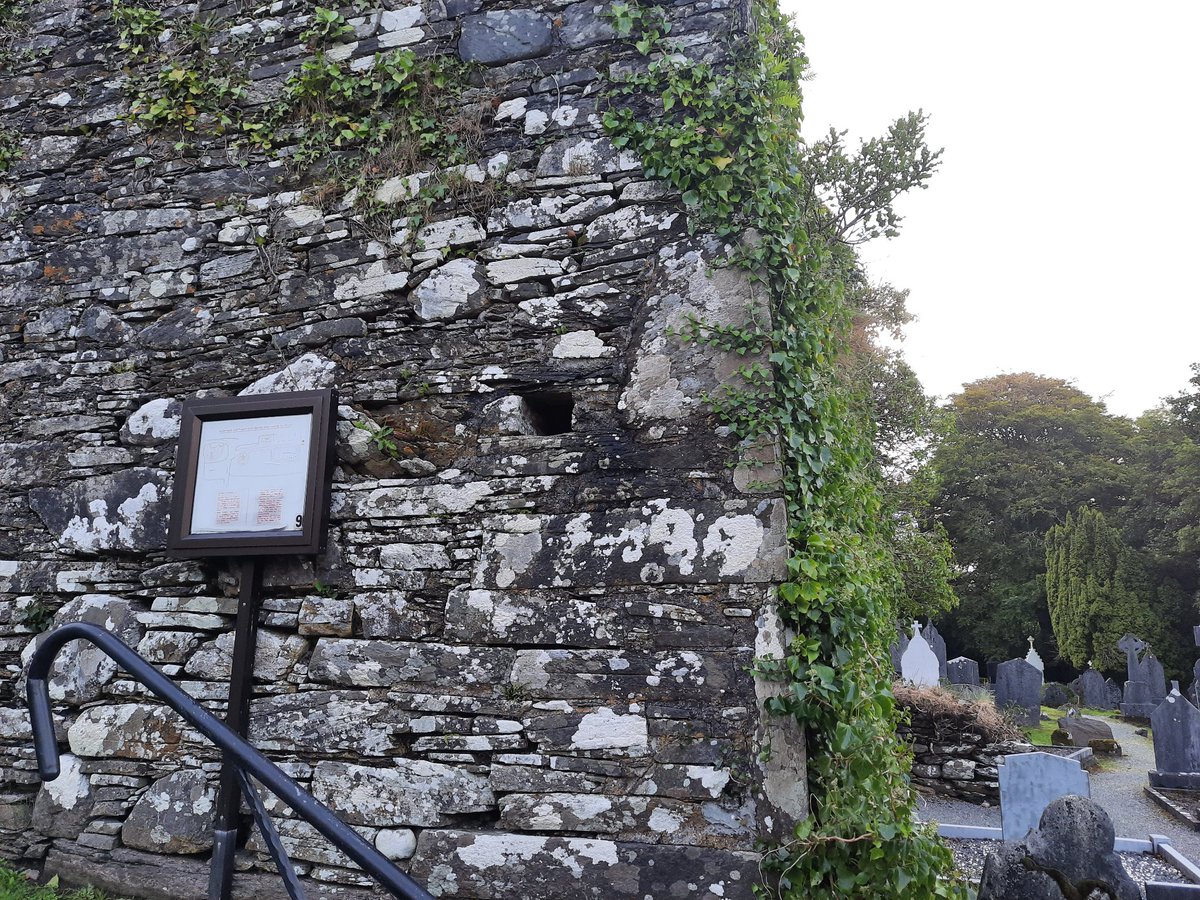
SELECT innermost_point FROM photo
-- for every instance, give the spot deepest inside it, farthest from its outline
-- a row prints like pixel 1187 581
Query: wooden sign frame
pixel 309 537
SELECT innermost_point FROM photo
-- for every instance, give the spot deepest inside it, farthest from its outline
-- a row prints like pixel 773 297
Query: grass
pixel 1040 734
pixel 15 886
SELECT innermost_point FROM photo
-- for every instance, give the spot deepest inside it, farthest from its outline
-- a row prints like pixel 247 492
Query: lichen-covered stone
pixel 126 510
pixel 64 806
pixel 81 670
pixel 492 866
pixel 128 731
pixel 174 815
pixel 409 792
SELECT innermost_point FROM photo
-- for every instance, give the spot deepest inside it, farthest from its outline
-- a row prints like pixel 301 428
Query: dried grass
pixel 949 712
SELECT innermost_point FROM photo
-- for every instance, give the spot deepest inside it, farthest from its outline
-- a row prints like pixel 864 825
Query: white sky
pixel 1060 234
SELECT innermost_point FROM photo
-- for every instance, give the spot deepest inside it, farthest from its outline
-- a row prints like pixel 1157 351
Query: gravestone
pixel 1155 677
pixel 1115 696
pixel 1093 691
pixel 898 647
pixel 1176 728
pixel 1034 659
pixel 1019 688
pixel 1073 842
pixel 1081 731
pixel 1139 702
pixel 962 670
pixel 1029 782
pixel 1057 695
pixel 937 644
pixel 919 665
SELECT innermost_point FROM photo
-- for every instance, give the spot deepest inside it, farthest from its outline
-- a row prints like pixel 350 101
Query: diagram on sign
pixel 252 475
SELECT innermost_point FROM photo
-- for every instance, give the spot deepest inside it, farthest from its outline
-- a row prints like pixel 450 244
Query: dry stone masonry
pixel 521 668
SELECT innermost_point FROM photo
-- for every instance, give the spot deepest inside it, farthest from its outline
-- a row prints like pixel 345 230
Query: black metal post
pixel 241 678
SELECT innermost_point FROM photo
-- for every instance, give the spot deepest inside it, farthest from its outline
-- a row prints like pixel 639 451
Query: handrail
pixel 236 749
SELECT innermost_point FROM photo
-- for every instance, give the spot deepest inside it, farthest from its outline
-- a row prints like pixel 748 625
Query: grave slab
pixel 962 670
pixel 1029 782
pixel 1019 688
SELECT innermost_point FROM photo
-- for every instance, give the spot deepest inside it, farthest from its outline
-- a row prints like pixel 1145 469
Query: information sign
pixel 252 475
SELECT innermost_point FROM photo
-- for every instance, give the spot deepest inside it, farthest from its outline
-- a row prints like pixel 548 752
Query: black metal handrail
pixel 237 750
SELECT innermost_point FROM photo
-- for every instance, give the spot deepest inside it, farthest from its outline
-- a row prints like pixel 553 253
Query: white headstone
pixel 919 664
pixel 1029 782
pixel 1035 660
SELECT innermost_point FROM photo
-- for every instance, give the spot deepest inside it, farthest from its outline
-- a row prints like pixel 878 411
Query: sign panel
pixel 252 475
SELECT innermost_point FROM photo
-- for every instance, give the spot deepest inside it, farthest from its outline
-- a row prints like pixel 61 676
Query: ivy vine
pixel 727 139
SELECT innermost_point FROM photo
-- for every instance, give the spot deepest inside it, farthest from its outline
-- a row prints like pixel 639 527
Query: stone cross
pixel 1132 647
pixel 1035 659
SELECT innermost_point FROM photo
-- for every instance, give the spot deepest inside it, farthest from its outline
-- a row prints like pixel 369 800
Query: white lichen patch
pixel 607 730
pixel 737 539
pixel 71 786
pixel 98 532
pixel 580 345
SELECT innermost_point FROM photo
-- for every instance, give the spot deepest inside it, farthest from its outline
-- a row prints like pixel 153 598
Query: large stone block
pixel 661 542
pixel 501 36
pixel 64 806
pixel 397 665
pixel 81 671
pixel 174 815
pixel 407 792
pixel 129 731
pixel 499 866
pixel 325 722
pixel 123 511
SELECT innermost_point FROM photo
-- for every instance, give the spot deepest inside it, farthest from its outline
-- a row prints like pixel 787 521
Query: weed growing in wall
pixel 352 124
pixel 728 141
pixel 10 148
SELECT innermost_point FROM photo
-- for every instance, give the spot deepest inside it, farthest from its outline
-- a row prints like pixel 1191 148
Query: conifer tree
pixel 1098 588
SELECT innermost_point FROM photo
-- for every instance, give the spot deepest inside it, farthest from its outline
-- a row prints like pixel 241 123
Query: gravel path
pixel 1119 790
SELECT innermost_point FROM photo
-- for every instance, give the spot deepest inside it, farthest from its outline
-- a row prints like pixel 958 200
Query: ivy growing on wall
pixel 728 141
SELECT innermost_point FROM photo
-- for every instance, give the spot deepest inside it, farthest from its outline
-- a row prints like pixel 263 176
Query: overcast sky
pixel 1061 234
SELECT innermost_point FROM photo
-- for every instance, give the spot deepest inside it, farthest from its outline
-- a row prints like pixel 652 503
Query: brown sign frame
pixel 310 540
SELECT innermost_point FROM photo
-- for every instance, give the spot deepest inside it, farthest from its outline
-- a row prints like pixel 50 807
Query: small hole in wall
pixel 549 412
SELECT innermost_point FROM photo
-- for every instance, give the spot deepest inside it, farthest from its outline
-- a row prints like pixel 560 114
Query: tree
pixel 1098 588
pixel 852 196
pixel 851 200
pixel 1024 451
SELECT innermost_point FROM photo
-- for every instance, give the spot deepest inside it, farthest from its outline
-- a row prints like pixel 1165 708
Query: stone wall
pixel 521 667
pixel 956 759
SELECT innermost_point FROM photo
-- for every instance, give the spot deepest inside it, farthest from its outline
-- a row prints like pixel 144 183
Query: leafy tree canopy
pixel 1025 450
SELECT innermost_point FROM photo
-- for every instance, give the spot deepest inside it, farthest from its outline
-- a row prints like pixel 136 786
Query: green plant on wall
pixel 354 125
pixel 138 27
pixel 10 148
pixel 728 142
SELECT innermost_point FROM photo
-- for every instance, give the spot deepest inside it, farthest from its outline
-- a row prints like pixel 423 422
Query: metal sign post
pixel 252 479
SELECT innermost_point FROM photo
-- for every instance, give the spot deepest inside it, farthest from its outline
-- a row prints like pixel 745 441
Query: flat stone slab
pixel 1183 805
pixel 502 36
pixel 491 866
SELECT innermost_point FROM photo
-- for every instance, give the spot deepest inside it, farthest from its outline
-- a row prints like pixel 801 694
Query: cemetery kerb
pixel 547 576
